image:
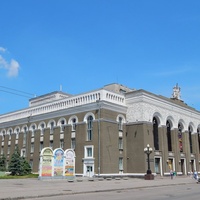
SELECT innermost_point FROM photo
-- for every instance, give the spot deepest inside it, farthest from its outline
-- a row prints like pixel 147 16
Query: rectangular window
pixel 120 143
pixel 42 131
pixel 62 143
pixel 51 127
pixel 73 143
pixel 88 151
pixel 24 139
pixel 62 128
pixel 89 138
pixel 41 146
pixel 33 131
pixel 8 149
pixel 23 152
pixel 73 124
pixel 89 128
pixel 120 164
pixel 51 144
pixel 2 150
pixel 32 147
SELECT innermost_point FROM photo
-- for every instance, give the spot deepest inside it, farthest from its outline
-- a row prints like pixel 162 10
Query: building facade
pixel 108 129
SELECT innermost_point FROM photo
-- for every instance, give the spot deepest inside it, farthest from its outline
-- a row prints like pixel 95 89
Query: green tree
pixel 25 166
pixel 18 165
pixel 3 163
pixel 15 166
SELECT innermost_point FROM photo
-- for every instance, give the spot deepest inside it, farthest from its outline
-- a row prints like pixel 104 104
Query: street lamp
pixel 148 150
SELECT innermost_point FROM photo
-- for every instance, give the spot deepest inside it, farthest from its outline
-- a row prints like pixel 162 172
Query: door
pixel 89 171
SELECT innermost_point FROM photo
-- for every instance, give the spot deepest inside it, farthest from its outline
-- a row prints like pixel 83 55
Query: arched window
pixel 89 127
pixel 33 128
pixel 74 124
pixel 180 137
pixel 3 135
pixel 190 138
pixel 155 134
pixel 73 120
pixel 51 126
pixel 169 141
pixel 42 127
pixel 17 132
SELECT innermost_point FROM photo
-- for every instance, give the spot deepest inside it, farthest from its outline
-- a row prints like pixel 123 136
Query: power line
pixel 16 94
pixel 16 91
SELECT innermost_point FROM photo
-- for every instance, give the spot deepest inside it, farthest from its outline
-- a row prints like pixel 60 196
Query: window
pixel 10 133
pixel 2 150
pixel 89 152
pixel 198 132
pixel 24 139
pixel 62 125
pixel 190 138
pixel 3 135
pixel 17 133
pixel 73 143
pixel 51 144
pixel 155 134
pixel 62 143
pixel 120 124
pixel 32 147
pixel 33 130
pixel 169 136
pixel 89 127
pixel 42 128
pixel 8 149
pixel 74 124
pixel 180 139
pixel 23 152
pixel 51 127
pixel 120 164
pixel 120 143
pixel 41 146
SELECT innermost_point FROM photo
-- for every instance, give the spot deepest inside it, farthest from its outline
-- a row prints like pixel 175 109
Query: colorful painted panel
pixel 70 163
pixel 47 156
pixel 58 162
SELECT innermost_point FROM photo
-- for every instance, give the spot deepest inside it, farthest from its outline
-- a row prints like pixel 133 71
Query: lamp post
pixel 148 151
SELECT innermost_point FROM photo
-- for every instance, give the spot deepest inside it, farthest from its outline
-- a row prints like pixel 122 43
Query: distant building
pixel 108 129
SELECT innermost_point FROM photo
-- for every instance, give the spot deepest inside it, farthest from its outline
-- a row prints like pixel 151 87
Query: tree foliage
pixel 3 163
pixel 18 165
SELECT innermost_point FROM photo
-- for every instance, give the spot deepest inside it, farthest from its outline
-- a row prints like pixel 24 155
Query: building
pixel 108 129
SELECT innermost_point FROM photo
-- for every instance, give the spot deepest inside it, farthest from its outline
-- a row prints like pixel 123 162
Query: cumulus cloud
pixel 12 67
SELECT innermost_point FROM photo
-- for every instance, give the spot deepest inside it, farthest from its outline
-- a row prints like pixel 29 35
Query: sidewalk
pixel 31 188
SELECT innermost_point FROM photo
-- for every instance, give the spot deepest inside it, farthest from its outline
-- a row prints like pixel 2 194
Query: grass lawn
pixel 19 177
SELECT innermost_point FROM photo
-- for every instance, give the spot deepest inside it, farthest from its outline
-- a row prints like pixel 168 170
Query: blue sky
pixel 86 44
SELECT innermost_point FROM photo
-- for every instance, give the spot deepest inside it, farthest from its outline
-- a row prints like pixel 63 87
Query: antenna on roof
pixel 60 87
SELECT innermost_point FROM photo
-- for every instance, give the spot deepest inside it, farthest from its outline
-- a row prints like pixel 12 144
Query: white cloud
pixel 12 67
pixel 2 49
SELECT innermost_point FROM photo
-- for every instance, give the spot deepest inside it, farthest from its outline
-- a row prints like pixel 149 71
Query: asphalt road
pixel 84 188
pixel 174 192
